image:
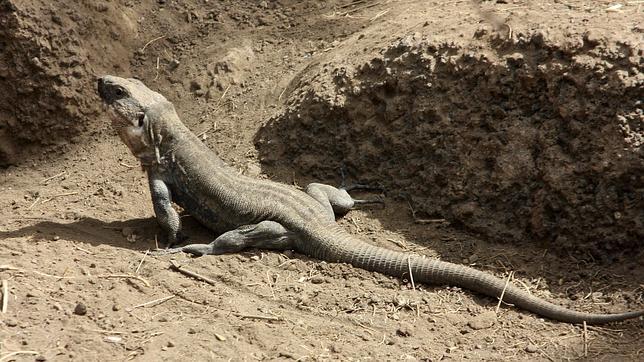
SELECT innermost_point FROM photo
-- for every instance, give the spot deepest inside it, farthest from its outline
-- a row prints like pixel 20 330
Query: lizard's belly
pixel 201 211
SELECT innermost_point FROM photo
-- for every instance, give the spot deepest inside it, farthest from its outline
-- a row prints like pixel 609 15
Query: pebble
pixel 531 348
pixel 10 323
pixel 80 309
pixel 113 339
pixel 127 231
pixel 405 330
pixel 318 279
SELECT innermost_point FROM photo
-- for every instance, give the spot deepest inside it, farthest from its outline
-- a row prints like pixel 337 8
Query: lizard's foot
pixel 371 201
pixel 337 200
pixel 362 187
pixel 265 235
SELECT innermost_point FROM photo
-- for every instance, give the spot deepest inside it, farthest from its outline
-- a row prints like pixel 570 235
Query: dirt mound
pixel 48 57
pixel 523 136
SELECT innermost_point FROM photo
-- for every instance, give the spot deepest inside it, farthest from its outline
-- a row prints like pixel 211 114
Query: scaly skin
pixel 183 170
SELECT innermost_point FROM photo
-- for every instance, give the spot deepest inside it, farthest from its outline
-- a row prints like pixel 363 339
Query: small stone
pixel 33 294
pixel 41 358
pixel 174 64
pixel 127 231
pixel 10 323
pixel 400 301
pixel 56 238
pixel 80 309
pixel 192 331
pixel 405 330
pixel 115 308
pixel 113 339
pixel 220 337
pixel 531 348
pixel 318 279
pixel 255 258
pixel 170 344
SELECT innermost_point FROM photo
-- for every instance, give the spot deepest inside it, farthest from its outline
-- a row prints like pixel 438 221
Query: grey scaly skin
pixel 247 212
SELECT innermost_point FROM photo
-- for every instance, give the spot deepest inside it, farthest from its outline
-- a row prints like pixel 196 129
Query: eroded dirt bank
pixel 531 135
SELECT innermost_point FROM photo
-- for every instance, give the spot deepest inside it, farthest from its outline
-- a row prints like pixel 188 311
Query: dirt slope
pixel 76 217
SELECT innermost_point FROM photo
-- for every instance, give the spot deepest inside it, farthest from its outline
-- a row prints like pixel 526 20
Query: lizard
pixel 257 213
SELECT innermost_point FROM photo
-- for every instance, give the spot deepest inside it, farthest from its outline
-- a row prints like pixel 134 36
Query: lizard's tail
pixel 338 246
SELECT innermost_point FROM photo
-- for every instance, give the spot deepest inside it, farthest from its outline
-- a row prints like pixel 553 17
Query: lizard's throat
pixel 135 139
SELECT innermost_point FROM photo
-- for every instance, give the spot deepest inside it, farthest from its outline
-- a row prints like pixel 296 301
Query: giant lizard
pixel 247 212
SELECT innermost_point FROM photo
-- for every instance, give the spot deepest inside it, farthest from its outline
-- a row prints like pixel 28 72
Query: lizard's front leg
pixel 166 215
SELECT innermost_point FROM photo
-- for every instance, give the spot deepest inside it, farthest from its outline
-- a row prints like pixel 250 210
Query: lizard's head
pixel 127 101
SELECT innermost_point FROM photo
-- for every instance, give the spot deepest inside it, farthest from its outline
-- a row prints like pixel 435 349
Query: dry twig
pixel 152 302
pixel 182 270
pixel 60 195
pixel 141 262
pixel 108 276
pixel 584 338
pixel 52 177
pixel 507 282
pixel 151 41
pixel 5 295
pixel 411 275
pixel 8 356
pixel 253 316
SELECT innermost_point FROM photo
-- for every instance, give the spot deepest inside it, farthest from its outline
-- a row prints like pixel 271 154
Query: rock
pixel 127 231
pixel 531 348
pixel 482 321
pixel 405 330
pixel 318 279
pixel 80 309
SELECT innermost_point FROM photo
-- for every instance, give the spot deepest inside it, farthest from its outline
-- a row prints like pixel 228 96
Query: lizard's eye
pixel 141 118
pixel 119 92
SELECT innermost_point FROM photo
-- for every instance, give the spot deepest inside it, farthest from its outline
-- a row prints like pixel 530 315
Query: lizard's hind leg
pixel 265 235
pixel 337 200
